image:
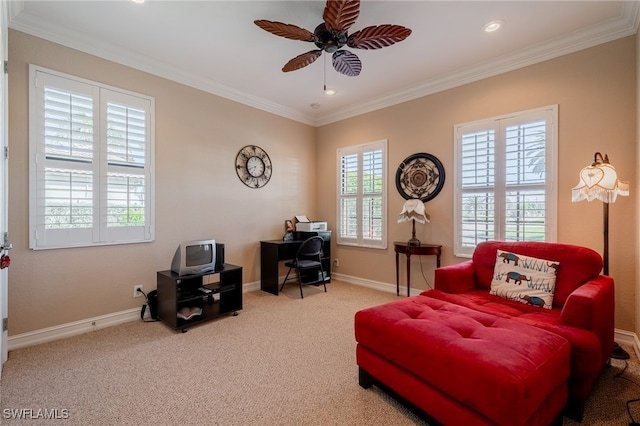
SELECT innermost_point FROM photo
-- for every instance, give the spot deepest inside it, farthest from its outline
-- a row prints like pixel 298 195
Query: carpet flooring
pixel 282 361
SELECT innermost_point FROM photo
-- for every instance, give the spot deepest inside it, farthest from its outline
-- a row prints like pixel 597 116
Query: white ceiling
pixel 215 46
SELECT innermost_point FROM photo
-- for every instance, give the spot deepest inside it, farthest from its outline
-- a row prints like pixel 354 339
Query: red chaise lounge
pixel 463 354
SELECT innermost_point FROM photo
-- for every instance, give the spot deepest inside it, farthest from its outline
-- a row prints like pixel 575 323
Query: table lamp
pixel 413 209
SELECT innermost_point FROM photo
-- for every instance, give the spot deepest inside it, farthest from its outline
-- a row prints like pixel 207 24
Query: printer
pixel 303 224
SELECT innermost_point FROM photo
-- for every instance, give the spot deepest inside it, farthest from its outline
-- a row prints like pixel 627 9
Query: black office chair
pixel 308 264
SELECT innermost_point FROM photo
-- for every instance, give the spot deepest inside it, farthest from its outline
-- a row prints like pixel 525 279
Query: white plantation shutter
pixel 68 196
pixel 525 208
pixel 372 218
pixel 90 175
pixel 361 200
pixel 477 166
pixel 506 178
pixel 126 132
pixel 348 199
pixel 126 128
pixel 68 122
pixel 62 138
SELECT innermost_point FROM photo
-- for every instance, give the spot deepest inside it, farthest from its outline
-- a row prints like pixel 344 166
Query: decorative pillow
pixel 524 279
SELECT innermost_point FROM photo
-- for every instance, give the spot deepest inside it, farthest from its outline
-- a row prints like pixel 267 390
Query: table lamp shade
pixel 413 209
pixel 599 181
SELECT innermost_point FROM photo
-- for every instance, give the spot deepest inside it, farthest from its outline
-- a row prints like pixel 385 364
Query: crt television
pixel 194 257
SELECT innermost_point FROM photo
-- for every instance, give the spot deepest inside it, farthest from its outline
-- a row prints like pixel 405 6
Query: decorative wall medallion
pixel 253 166
pixel 420 176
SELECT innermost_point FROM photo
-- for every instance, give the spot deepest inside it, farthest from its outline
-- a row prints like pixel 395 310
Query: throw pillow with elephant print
pixel 524 279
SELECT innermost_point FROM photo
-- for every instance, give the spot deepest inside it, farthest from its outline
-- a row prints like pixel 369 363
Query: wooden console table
pixel 421 250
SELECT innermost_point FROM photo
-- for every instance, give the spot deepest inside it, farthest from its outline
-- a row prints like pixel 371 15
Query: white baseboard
pixel 75 328
pixel 249 287
pixel 628 338
pixel 62 331
pixel 376 285
pixel 71 329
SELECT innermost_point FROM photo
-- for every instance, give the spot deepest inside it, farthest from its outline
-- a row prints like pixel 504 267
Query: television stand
pixel 188 300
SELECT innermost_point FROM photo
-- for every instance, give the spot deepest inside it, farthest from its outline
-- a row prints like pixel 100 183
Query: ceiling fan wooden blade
pixel 378 36
pixel 347 63
pixel 302 61
pixel 289 31
pixel 340 15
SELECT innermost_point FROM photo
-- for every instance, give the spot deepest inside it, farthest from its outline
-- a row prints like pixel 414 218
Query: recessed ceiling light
pixel 138 1
pixel 493 26
pixel 315 106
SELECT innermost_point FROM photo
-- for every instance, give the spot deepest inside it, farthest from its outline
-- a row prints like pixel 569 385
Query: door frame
pixel 4 179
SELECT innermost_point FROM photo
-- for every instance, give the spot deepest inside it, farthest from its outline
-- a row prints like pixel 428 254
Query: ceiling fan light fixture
pixel 332 35
pixel 329 91
pixel 493 26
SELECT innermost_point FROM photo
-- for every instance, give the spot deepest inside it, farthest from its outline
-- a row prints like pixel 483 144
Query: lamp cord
pixel 423 275
pixel 630 401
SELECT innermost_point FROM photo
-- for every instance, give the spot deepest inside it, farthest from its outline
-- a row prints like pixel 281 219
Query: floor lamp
pixel 599 181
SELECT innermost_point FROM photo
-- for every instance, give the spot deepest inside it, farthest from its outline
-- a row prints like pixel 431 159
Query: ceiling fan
pixel 331 35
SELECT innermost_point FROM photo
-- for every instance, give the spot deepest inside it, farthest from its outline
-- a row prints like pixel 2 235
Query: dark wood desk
pixel 272 252
pixel 421 250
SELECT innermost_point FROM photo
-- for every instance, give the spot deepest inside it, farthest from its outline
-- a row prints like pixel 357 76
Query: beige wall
pixel 596 93
pixel 636 191
pixel 198 194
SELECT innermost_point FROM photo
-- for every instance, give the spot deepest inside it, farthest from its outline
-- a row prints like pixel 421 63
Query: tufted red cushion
pixel 586 360
pixel 488 363
pixel 481 300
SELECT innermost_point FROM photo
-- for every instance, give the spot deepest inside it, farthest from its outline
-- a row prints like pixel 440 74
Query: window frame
pixel 360 240
pixel 499 124
pixel 100 170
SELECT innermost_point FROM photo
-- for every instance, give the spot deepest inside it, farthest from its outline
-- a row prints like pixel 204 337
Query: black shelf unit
pixel 198 302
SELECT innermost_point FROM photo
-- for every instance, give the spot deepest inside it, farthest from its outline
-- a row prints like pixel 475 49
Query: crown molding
pixel 40 28
pixel 624 25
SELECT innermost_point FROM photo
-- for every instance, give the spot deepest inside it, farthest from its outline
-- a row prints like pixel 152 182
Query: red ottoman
pixel 461 366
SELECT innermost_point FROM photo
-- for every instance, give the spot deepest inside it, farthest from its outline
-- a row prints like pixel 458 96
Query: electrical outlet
pixel 137 293
pixel 336 262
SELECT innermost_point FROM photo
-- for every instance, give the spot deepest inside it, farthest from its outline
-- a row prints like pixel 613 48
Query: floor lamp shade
pixel 599 181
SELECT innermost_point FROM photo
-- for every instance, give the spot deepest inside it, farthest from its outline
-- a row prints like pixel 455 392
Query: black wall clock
pixel 420 176
pixel 253 166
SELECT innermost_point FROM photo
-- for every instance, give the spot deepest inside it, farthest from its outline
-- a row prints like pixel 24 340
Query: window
pixel 505 179
pixel 91 158
pixel 362 195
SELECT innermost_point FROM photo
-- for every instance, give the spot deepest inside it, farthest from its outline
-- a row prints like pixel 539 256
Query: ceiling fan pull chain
pixel 325 74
